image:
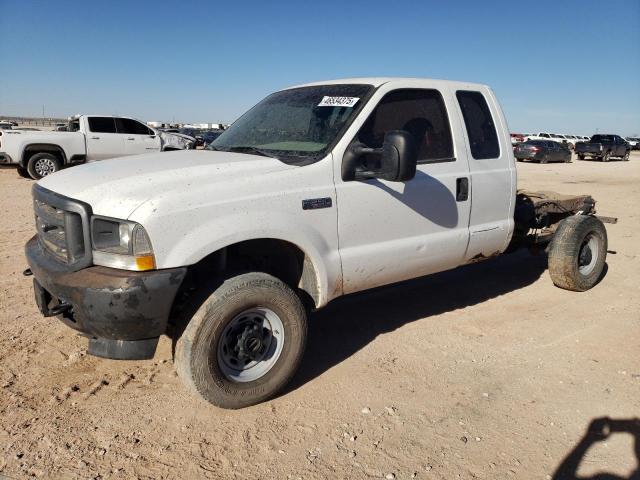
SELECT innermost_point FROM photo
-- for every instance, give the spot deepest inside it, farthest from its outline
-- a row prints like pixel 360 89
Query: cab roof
pixel 378 81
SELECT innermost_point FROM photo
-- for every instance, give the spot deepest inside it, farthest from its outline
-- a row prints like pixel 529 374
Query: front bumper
pixel 122 312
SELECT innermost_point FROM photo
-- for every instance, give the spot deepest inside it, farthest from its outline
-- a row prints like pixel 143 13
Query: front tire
pixel 580 157
pixel 245 341
pixel 605 156
pixel 625 158
pixel 42 164
pixel 578 253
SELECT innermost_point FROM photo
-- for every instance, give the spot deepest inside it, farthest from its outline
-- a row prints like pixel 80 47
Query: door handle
pixel 95 138
pixel 130 138
pixel 462 189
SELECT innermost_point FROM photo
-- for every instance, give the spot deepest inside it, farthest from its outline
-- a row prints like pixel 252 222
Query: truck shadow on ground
pixel 599 430
pixel 350 323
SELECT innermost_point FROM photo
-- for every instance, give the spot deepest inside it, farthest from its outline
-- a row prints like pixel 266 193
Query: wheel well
pixel 279 258
pixel 31 150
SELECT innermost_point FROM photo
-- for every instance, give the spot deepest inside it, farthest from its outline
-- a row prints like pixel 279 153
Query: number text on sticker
pixel 338 101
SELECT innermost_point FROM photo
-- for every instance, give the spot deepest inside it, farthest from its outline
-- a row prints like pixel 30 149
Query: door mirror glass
pixel 395 161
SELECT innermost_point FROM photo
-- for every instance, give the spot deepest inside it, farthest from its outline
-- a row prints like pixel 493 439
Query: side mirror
pixel 398 159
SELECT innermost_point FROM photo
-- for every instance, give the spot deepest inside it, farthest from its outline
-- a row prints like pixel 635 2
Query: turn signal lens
pixel 147 262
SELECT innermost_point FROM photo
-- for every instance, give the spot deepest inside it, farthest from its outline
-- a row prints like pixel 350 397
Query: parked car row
pixel 571 140
pixel 598 147
pixel 634 142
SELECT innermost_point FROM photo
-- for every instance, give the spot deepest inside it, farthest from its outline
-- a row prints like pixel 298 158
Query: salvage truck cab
pixel 318 191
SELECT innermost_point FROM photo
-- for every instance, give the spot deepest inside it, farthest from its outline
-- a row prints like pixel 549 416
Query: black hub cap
pixel 248 342
pixel 251 343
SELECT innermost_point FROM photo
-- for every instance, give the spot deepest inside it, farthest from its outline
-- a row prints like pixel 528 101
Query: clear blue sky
pixel 209 61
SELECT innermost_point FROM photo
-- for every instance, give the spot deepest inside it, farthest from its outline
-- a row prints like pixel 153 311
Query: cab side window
pixel 132 127
pixel 422 113
pixel 483 139
pixel 102 124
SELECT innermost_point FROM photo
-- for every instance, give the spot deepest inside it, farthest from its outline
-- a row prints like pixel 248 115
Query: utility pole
pixel 43 114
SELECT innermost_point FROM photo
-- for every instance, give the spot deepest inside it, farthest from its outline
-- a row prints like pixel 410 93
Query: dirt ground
pixel 488 371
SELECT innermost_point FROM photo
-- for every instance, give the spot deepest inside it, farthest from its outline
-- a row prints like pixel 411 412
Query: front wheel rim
pixel 250 345
pixel 588 254
pixel 44 167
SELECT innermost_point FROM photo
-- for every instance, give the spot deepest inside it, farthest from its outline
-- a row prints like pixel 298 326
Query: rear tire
pixel 244 343
pixel 580 157
pixel 544 159
pixel 42 164
pixel 605 156
pixel 625 158
pixel 578 253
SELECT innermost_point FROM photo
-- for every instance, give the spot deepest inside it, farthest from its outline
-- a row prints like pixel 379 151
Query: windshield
pixel 297 125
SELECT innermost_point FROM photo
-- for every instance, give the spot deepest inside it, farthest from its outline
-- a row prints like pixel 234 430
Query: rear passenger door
pixel 392 231
pixel 137 137
pixel 102 139
pixel 621 146
pixel 492 170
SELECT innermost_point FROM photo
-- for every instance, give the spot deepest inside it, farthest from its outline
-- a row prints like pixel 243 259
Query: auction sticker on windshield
pixel 338 101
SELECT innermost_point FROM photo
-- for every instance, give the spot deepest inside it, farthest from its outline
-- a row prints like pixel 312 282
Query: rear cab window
pixel 481 130
pixel 102 124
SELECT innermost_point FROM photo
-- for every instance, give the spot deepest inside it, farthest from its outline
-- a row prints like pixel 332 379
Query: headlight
pixel 121 244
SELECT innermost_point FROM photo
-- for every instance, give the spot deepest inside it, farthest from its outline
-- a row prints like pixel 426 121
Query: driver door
pixel 393 231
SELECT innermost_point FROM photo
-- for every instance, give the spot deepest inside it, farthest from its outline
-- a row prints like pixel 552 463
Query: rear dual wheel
pixel 578 253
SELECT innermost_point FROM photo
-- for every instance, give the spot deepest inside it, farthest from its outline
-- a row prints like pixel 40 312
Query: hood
pixel 116 187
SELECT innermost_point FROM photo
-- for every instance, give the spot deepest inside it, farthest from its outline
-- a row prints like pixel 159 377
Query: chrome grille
pixel 50 225
pixel 63 227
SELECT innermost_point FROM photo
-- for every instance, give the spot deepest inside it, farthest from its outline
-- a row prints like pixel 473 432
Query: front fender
pixel 174 249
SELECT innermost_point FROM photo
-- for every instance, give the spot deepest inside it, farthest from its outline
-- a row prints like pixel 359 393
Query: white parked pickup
pixel 319 191
pixel 89 137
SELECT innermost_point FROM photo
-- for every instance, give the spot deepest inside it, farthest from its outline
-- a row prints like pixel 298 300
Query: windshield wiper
pixel 249 149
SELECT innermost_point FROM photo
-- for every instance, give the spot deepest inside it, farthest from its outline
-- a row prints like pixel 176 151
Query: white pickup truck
pixel 89 137
pixel 318 191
